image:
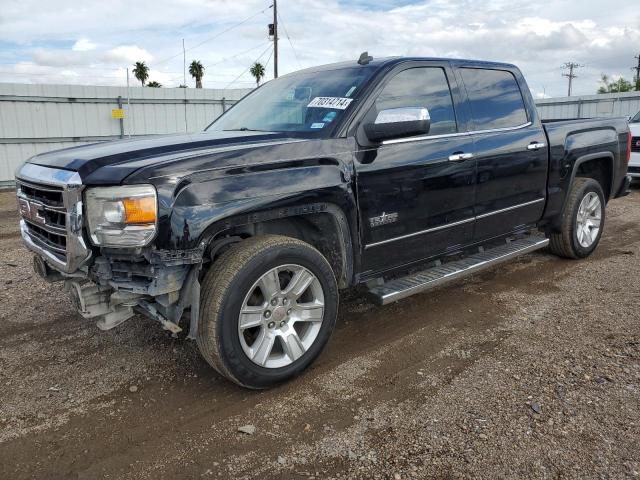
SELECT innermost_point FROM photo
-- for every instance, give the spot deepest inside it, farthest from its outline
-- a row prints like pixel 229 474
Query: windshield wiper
pixel 242 129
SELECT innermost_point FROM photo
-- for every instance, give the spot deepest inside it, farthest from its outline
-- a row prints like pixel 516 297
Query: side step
pixel 400 288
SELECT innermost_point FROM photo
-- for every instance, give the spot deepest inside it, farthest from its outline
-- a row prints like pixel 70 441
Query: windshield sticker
pixel 329 117
pixel 348 94
pixel 317 125
pixel 338 103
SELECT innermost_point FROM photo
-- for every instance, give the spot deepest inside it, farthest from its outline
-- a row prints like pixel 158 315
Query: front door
pixel 416 194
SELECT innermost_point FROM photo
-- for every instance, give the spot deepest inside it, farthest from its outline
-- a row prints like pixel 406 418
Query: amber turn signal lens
pixel 140 210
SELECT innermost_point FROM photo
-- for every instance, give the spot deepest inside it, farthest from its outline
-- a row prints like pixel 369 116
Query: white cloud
pixel 538 36
pixel 127 54
pixel 83 45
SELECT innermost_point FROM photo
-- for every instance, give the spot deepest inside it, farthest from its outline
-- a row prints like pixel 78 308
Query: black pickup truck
pixel 396 174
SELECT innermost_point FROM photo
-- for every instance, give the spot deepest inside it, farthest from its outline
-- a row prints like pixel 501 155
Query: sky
pixel 93 42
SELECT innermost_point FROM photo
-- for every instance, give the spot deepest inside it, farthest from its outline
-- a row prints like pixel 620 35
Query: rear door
pixel 511 154
pixel 416 194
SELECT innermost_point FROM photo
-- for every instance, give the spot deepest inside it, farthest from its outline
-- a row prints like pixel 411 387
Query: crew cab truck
pixel 397 174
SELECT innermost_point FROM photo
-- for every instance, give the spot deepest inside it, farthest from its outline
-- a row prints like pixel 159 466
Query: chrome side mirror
pixel 399 122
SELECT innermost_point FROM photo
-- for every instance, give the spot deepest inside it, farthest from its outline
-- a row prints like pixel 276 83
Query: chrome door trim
pixel 452 135
pixel 502 210
pixel 421 232
pixel 453 224
pixel 504 129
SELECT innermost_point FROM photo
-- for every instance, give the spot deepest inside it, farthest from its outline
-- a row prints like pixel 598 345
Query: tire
pixel 570 242
pixel 288 335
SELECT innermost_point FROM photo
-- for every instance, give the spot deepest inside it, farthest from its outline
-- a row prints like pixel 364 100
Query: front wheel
pixel 268 307
pixel 582 220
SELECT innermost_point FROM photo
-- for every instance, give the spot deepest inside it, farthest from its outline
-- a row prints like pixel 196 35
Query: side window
pixel 421 87
pixel 494 97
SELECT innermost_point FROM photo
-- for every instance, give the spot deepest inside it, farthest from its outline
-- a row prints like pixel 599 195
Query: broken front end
pixel 99 242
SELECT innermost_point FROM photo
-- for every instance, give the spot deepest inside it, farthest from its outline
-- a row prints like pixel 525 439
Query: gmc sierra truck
pixel 398 174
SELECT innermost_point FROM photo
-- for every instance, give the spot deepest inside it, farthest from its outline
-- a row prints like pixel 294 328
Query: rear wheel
pixel 582 220
pixel 268 307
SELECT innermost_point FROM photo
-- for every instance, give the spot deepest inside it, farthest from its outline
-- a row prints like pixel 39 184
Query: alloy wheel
pixel 588 219
pixel 281 316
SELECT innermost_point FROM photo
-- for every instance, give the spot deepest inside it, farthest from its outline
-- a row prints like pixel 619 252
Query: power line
pixel 295 54
pixel 247 69
pixel 216 35
pixel 179 76
pixel 571 66
pixel 275 38
pixel 226 59
pixel 266 64
pixel 238 54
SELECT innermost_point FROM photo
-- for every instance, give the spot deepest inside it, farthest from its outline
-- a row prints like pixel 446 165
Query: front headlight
pixel 122 216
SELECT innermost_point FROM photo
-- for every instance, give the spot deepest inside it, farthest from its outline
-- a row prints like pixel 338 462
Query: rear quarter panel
pixel 571 143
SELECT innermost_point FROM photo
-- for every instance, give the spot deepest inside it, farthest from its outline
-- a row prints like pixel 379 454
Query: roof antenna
pixel 365 58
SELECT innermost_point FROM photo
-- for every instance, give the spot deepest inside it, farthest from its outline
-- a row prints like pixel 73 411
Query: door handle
pixel 459 157
pixel 536 145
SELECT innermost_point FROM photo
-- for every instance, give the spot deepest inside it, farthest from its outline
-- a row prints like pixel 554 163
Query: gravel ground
pixel 531 369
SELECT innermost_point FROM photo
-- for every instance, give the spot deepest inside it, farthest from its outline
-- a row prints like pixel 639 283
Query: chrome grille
pixel 43 211
pixel 50 203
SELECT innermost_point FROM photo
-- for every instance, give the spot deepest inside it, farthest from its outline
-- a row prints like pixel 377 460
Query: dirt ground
pixel 529 370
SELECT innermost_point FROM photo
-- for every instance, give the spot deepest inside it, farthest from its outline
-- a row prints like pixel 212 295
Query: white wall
pixel 605 105
pixel 39 118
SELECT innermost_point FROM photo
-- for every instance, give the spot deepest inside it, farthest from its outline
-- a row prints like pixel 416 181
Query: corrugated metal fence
pixel 605 105
pixel 38 118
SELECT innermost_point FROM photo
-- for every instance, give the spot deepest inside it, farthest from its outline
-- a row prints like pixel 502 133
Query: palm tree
pixel 154 84
pixel 196 70
pixel 605 85
pixel 141 72
pixel 257 70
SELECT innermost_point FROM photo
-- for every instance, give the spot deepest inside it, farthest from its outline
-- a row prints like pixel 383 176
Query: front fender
pixel 193 205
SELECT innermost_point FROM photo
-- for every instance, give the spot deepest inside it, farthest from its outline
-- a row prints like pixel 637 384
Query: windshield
pixel 636 118
pixel 309 103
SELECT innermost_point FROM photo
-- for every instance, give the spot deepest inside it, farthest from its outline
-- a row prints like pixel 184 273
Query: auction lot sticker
pixel 338 103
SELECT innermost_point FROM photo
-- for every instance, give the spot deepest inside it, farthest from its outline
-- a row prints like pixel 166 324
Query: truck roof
pixel 389 61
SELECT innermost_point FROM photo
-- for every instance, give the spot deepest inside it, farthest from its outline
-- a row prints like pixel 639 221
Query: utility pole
pixel 184 65
pixel 184 84
pixel 571 66
pixel 275 38
pixel 637 69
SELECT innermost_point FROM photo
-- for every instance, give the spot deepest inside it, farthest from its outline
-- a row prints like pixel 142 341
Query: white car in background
pixel 634 162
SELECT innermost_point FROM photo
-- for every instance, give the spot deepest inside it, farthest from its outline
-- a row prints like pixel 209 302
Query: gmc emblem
pixel 30 211
pixel 638 143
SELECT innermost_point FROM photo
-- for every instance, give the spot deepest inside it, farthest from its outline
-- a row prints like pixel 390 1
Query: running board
pixel 400 288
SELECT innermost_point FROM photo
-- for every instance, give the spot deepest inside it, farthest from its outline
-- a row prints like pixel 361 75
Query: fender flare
pixel 248 218
pixel 606 155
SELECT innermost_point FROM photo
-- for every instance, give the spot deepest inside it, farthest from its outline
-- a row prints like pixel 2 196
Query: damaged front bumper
pixel 108 285
pixel 159 284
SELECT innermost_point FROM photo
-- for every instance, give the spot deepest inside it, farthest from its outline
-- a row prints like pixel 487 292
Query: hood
pixel 635 129
pixel 129 155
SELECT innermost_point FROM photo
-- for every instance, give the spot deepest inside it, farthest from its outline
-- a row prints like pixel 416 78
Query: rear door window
pixel 494 98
